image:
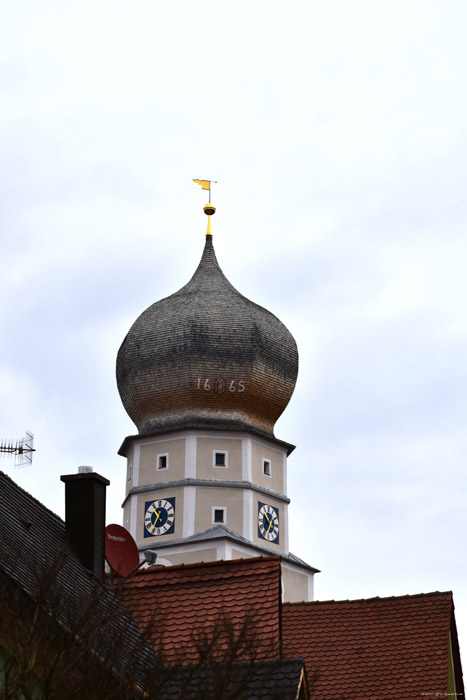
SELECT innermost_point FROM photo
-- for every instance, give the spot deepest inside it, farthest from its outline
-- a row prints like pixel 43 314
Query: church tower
pixel 205 374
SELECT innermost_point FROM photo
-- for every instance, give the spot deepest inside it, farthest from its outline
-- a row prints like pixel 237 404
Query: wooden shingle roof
pixel 206 357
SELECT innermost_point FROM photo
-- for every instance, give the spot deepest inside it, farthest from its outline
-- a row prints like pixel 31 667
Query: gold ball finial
pixel 209 209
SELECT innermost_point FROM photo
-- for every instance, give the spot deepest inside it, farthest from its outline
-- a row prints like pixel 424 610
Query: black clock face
pixel 268 523
pixel 159 518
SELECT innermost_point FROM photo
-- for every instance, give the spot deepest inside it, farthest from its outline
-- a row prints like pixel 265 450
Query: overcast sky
pixel 337 134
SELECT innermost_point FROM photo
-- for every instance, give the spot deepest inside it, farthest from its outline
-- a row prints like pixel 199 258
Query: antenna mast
pixel 21 449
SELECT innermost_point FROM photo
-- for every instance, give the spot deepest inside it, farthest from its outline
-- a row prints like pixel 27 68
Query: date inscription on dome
pixel 220 385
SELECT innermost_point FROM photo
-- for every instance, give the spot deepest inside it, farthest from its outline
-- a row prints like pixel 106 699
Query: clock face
pixel 268 523
pixel 159 518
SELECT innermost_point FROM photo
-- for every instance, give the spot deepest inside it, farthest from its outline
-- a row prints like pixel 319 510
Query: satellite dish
pixel 121 551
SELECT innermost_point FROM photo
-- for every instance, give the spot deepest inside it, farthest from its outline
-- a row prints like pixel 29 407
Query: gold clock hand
pixel 269 519
pixel 158 517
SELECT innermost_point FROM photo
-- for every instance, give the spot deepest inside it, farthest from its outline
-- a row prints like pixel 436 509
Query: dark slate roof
pixel 384 648
pixel 265 680
pixel 198 603
pixel 220 532
pixel 36 560
pixel 178 348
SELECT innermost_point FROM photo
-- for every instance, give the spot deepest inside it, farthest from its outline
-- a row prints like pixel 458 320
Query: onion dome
pixel 206 358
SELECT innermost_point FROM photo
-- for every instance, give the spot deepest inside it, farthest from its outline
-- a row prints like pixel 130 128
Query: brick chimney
pixel 85 517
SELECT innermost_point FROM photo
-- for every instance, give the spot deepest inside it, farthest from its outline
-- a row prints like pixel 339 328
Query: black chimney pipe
pixel 85 517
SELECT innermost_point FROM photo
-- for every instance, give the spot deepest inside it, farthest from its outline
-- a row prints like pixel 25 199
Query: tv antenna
pixel 21 449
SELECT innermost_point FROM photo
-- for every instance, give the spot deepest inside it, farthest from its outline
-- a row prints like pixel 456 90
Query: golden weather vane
pixel 206 185
pixel 209 209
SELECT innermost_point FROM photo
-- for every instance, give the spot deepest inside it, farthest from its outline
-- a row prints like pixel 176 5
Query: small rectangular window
pixel 162 461
pixel 266 467
pixel 218 515
pixel 130 471
pixel 219 458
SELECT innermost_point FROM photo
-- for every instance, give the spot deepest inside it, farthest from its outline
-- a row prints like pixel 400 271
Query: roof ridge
pixel 207 564
pixel 405 596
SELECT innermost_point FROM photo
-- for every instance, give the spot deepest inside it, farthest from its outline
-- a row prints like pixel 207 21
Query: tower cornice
pixel 205 430
pixel 213 483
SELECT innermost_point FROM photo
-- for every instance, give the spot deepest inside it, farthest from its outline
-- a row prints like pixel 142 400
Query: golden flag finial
pixel 209 209
pixel 205 184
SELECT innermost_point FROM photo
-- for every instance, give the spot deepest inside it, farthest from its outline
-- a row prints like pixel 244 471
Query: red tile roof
pixel 375 649
pixel 180 607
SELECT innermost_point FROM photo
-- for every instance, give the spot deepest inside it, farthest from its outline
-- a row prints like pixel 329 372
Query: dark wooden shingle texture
pixel 207 332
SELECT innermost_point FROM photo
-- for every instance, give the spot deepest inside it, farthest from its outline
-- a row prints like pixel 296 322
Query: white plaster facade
pixel 213 479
